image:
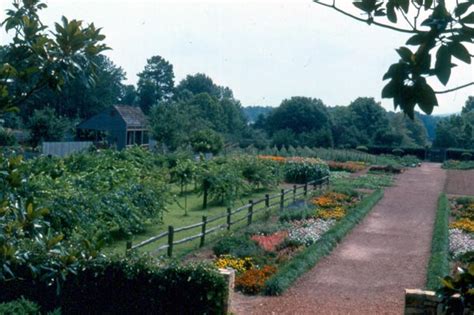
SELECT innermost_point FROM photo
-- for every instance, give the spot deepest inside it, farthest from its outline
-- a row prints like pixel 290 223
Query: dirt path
pixel 368 272
pixel 460 183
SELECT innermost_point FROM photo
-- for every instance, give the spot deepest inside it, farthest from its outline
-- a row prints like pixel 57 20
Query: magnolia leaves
pixel 443 37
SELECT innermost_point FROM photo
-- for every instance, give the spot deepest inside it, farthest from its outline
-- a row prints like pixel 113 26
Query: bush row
pixel 126 286
pixel 438 266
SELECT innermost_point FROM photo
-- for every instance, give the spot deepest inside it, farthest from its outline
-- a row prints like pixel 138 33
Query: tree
pixel 368 116
pixel 469 106
pixel 155 83
pixel 298 114
pixel 129 95
pixel 40 58
pixel 438 33
pixel 206 141
pixel 201 83
pixel 77 98
pixel 45 125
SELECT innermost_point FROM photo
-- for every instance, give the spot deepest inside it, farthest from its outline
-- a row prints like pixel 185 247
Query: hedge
pixel 127 286
pixel 303 262
pixel 438 266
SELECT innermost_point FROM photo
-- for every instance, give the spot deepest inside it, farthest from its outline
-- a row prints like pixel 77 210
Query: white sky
pixel 264 50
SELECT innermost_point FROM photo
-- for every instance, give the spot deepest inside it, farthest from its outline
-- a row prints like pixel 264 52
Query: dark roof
pixel 132 115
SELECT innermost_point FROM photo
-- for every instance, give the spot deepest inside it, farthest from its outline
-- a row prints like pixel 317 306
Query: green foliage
pixel 362 148
pixel 438 265
pixel 221 182
pixel 45 125
pixel 129 283
pixel 39 58
pixel 306 260
pixel 19 307
pixel 296 214
pixel 6 137
pixel 238 246
pixel 462 284
pixel 458 165
pixel 206 141
pixel 103 195
pixel 156 82
pixel 305 170
pixel 466 156
pixel 398 151
pixel 258 172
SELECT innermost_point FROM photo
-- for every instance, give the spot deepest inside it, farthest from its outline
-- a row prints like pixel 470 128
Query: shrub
pixel 398 152
pixel 259 172
pixel 130 286
pixel 238 246
pixel 466 156
pixel 20 306
pixel 45 125
pixel 6 138
pixel 303 170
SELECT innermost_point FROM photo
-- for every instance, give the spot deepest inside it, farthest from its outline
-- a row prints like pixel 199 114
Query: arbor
pixel 439 31
pixel 38 58
pixel 155 83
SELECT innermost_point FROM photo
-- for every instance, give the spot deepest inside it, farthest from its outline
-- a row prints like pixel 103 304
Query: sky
pixel 264 50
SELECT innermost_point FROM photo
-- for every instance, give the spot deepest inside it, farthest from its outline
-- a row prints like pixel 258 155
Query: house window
pixel 138 137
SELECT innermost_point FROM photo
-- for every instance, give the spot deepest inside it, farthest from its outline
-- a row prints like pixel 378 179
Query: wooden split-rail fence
pixel 247 213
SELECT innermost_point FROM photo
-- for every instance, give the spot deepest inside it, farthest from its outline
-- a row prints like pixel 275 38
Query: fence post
pixel 294 193
pixel 203 231
pixel 267 201
pixel 128 247
pixel 282 199
pixel 170 240
pixel 250 213
pixel 305 189
pixel 229 214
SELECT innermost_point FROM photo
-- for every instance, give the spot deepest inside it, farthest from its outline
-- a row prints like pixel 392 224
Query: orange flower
pixel 253 280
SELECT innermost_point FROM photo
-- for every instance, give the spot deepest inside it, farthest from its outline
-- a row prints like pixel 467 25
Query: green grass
pixel 367 181
pixel 175 217
pixel 303 262
pixel 438 266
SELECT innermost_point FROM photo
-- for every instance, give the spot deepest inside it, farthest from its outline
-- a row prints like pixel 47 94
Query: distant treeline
pixel 205 116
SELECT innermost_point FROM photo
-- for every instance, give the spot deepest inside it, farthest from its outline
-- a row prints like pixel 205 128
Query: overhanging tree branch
pixel 368 21
pixel 455 89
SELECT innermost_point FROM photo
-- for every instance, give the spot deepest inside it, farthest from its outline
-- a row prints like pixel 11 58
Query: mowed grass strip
pixel 296 267
pixel 438 266
pixel 176 218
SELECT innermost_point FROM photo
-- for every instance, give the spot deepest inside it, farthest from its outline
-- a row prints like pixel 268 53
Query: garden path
pixel 368 272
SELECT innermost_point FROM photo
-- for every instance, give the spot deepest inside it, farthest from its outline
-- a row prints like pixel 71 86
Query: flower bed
pixel 461 228
pixel 263 249
pixel 349 166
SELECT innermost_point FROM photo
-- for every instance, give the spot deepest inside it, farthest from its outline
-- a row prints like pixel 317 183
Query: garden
pixel 66 220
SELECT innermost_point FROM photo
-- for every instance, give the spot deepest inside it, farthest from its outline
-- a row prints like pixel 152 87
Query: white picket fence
pixel 63 149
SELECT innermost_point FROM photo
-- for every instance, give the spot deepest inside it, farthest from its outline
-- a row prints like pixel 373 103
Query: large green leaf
pixel 443 64
pixel 459 51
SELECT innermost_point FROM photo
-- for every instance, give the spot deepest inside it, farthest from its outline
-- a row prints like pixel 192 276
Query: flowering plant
pixel 238 264
pixel 253 280
pixel 270 242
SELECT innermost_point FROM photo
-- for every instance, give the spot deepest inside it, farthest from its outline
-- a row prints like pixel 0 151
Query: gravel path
pixel 368 272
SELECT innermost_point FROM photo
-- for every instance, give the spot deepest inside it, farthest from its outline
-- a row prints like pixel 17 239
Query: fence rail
pixel 285 195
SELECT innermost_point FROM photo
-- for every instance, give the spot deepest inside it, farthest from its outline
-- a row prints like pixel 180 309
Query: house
pixel 119 126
